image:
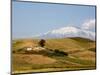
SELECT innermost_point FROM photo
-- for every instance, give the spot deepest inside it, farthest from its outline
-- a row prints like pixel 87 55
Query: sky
pixel 30 19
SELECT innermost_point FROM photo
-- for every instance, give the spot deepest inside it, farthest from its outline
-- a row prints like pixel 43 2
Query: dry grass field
pixel 80 52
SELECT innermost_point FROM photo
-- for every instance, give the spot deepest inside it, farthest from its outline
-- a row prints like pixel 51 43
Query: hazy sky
pixel 30 19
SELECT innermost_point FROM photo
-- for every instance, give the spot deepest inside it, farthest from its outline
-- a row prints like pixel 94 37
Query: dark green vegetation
pixel 57 55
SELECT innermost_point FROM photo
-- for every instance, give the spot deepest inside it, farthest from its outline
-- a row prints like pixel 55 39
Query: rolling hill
pixel 81 55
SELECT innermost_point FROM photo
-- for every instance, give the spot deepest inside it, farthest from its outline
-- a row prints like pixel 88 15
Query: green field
pixel 59 55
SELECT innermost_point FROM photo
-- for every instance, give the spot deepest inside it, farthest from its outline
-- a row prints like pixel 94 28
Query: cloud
pixel 89 25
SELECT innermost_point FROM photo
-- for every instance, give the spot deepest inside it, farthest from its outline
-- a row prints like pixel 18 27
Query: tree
pixel 42 43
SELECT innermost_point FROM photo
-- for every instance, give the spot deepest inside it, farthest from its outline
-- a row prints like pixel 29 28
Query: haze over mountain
pixel 68 31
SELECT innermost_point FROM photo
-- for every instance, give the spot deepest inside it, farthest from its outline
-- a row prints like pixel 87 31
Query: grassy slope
pixel 80 57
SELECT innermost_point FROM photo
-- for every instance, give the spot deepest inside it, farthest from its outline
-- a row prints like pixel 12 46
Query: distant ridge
pixel 68 31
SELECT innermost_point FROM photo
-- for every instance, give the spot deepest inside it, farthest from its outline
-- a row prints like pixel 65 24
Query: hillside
pixel 81 55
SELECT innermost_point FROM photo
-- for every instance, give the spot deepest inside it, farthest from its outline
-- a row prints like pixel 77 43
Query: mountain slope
pixel 68 32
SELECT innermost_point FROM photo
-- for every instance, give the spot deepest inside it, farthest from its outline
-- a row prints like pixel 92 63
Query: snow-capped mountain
pixel 68 32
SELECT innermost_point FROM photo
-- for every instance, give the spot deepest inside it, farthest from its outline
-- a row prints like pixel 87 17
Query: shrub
pixel 13 51
pixel 60 53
